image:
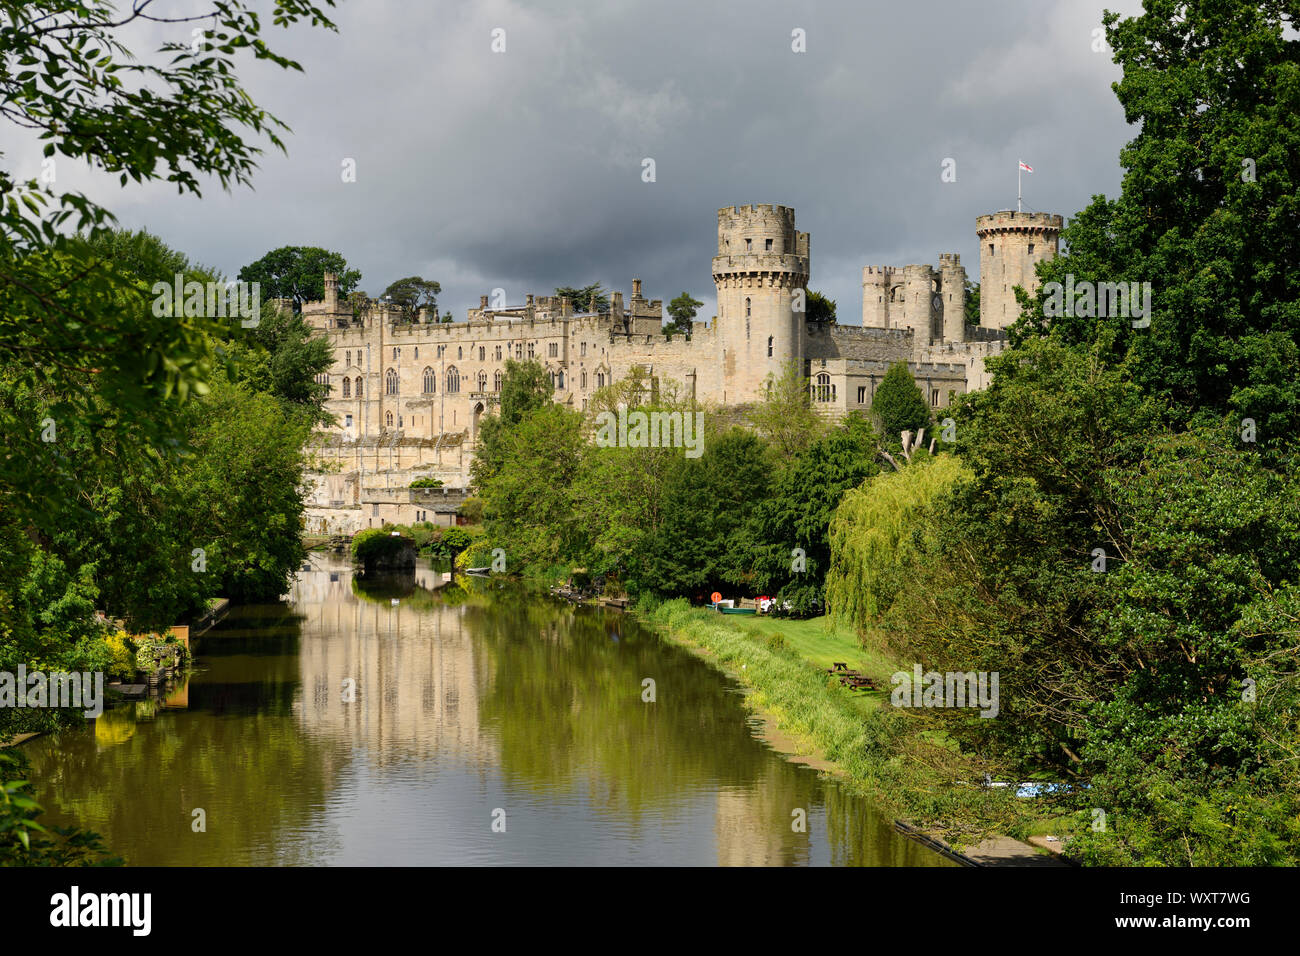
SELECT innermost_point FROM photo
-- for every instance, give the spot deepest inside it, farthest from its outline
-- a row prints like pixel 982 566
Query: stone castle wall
pixel 409 397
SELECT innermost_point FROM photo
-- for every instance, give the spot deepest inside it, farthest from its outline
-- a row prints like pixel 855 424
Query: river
pixel 488 725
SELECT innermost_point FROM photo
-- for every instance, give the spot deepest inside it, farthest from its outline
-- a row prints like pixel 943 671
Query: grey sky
pixel 522 169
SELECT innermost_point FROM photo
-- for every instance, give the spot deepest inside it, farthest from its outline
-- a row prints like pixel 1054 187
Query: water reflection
pixel 390 721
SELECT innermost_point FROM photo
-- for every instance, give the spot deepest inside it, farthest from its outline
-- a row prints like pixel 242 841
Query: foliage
pixel 1206 214
pixel 785 418
pixel 682 312
pixel 25 841
pixel 372 544
pixel 797 515
pixel 818 308
pixel 427 483
pixel 898 404
pixel 297 273
pixel 589 298
pixel 871 537
pixel 412 293
pixel 705 502
pixel 971 303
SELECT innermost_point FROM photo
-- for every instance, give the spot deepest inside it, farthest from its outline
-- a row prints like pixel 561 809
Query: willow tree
pixel 872 539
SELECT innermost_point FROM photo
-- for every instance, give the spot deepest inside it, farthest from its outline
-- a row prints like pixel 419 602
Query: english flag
pixel 1026 167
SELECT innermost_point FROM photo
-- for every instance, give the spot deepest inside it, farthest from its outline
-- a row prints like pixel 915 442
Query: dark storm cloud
pixel 523 169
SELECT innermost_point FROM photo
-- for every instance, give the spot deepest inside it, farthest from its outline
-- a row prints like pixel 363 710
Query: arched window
pixel 430 381
pixel 584 379
pixel 600 379
pixel 358 386
pixel 460 352
pixel 390 382
pixel 496 382
pixel 482 381
pixel 560 377
pixel 746 306
pixel 388 419
pixel 453 381
pixel 769 346
pixel 347 387
pixel 482 352
pixel 823 391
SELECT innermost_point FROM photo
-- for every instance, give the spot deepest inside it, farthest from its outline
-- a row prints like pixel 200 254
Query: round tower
pixel 1011 245
pixel 761 262
pixel 952 290
pixel 875 296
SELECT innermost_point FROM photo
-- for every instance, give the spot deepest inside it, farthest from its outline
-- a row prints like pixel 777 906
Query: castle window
pixel 453 381
pixel 347 387
pixel 560 378
pixel 348 363
pixel 496 381
pixel 769 346
pixel 396 352
pixel 747 310
pixel 990 248
pixel 390 382
pixel 746 328
pixel 862 394
pixel 530 349
pixel 498 353
pixel 584 380
pixel 347 421
pixel 388 419
pixel 600 379
pixel 519 350
pixel 769 245
pixel 358 386
pixel 417 351
pixel 823 390
pixel 584 349
pixel 934 397
pixel 553 350
pixel 460 352
pixel 749 245
pixel 482 381
pixel 1031 249
pixel 482 353
pixel 441 349
pixel 430 381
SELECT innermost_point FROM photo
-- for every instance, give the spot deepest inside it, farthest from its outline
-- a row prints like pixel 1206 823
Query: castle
pixel 409 396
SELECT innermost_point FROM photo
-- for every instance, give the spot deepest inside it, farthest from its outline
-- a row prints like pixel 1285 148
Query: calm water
pixel 468 702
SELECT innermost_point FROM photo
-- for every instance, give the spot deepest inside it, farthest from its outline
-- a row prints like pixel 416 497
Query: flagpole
pixel 1019 164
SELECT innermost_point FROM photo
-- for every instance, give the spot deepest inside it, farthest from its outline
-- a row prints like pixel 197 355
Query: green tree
pixel 1204 214
pixel 412 293
pixel 797 515
pixel 297 273
pixel 818 308
pixel 682 312
pixel 706 501
pixel 589 298
pixel 898 404
pixel 785 417
pixel 525 389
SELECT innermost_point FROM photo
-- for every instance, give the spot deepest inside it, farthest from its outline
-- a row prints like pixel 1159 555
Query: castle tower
pixel 331 292
pixel 875 296
pixel 952 289
pixel 761 261
pixel 918 305
pixel 1011 245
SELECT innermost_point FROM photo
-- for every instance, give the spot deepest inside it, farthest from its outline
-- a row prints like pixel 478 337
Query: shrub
pixel 426 483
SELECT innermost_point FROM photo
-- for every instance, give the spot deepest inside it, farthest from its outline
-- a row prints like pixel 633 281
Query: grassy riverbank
pixel 891 755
